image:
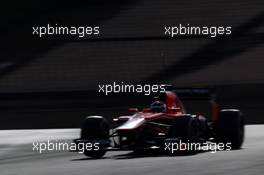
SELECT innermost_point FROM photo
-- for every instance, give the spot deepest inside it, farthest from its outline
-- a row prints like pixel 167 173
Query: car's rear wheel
pixel 95 128
pixel 230 128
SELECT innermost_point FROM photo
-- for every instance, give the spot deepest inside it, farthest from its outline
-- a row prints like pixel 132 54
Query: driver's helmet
pixel 158 106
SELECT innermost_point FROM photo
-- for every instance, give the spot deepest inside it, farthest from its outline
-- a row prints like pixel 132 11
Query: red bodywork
pixel 174 108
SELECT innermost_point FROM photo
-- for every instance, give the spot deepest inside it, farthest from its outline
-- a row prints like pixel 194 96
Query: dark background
pixel 52 82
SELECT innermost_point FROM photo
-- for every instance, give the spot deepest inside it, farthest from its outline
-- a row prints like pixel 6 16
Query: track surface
pixel 17 157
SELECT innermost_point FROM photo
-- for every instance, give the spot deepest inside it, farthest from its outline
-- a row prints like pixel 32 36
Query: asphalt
pixel 17 157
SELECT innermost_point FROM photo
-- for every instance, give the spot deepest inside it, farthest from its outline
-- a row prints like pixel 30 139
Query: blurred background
pixel 53 82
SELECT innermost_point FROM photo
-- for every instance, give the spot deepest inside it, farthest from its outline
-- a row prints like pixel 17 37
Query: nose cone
pixel 132 123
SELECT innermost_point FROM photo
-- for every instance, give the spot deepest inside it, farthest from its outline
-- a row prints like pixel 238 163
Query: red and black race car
pixel 166 121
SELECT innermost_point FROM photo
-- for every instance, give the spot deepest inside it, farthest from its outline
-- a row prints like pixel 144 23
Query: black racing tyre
pixel 95 154
pixel 203 128
pixel 229 128
pixel 185 126
pixel 95 128
pixel 184 131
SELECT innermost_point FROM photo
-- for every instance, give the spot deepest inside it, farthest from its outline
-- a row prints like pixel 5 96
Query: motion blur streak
pixel 18 158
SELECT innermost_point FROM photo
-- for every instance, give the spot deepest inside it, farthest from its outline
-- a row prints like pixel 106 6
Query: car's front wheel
pixel 95 129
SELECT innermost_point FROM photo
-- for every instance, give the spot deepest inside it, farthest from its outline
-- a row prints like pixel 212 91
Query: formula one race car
pixel 166 120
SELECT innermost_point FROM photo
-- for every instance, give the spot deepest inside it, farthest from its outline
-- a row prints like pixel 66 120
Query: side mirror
pixel 173 109
pixel 133 110
pixel 198 113
pixel 146 110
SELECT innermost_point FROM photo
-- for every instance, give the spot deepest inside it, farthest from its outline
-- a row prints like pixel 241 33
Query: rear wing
pixel 193 93
pixel 202 96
